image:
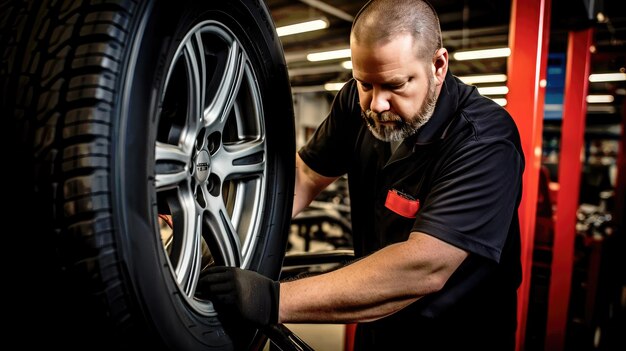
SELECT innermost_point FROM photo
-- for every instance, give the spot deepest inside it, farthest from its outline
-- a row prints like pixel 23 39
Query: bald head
pixel 380 21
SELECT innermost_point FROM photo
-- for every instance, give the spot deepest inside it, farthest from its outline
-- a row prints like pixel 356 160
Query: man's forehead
pixel 375 40
pixel 402 45
pixel 395 58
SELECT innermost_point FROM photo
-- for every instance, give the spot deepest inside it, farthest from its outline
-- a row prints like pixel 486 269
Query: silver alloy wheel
pixel 210 155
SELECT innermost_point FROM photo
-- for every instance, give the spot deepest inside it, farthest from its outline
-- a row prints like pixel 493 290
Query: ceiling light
pixel 304 89
pixel 346 64
pixel 304 71
pixel 328 55
pixel 607 77
pixel 601 109
pixel 599 99
pixel 487 78
pixel 500 101
pixel 302 27
pixel 334 86
pixel 481 54
pixel 499 90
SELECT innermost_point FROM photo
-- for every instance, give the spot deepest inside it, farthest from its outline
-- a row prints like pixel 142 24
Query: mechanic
pixel 434 172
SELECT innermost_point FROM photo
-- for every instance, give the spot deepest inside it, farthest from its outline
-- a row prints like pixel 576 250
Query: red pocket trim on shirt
pixel 402 204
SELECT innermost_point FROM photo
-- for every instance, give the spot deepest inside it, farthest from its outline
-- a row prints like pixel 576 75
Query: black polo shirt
pixel 465 167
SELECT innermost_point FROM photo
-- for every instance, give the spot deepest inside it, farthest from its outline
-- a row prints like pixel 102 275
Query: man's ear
pixel 440 62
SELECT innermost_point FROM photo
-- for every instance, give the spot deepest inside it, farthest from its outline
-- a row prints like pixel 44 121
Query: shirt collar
pixel 445 110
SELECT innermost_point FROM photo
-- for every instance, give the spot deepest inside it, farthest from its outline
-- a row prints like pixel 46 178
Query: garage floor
pixel 320 337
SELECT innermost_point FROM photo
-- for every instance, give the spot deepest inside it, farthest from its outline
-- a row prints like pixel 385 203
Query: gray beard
pixel 401 128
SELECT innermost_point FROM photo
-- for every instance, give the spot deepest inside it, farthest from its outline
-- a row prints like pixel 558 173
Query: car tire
pixel 149 140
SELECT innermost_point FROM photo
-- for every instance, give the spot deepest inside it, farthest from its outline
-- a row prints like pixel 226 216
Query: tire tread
pixel 64 57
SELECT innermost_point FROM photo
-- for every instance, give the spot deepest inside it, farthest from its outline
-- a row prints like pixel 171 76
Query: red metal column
pixel 572 138
pixel 528 40
pixel 348 343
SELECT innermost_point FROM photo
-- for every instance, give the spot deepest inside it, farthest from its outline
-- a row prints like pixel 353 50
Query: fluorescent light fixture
pixel 481 54
pixel 600 99
pixel 328 55
pixel 305 89
pixel 553 107
pixel 346 64
pixel 499 90
pixel 601 109
pixel 304 71
pixel 302 27
pixel 487 78
pixel 334 86
pixel 607 77
pixel 500 101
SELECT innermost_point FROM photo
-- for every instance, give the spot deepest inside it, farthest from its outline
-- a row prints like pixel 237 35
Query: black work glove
pixel 248 294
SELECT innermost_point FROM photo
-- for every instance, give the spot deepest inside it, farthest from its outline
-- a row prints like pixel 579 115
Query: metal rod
pixel 285 339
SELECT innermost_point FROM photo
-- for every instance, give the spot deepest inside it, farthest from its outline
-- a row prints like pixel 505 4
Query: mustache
pixel 368 119
pixel 371 117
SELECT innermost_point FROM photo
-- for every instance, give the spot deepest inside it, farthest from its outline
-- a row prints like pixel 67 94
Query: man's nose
pixel 380 101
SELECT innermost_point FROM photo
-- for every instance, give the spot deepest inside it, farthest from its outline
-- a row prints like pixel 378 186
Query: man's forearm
pixel 357 292
pixel 371 288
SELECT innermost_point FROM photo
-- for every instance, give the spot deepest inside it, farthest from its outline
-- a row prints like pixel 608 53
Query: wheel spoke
pixel 229 83
pixel 240 160
pixel 224 234
pixel 188 257
pixel 196 70
pixel 176 161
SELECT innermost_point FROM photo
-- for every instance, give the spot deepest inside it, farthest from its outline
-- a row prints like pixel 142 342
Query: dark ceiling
pixel 465 24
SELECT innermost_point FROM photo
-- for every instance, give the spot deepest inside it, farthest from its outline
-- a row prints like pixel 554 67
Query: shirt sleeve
pixel 472 200
pixel 330 148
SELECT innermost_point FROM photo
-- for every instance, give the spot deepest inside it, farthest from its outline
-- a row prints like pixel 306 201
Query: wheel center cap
pixel 202 163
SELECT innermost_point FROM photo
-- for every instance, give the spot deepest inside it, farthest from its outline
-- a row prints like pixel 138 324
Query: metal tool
pixel 285 339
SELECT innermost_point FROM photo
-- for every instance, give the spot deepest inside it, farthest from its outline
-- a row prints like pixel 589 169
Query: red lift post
pixel 528 40
pixel 572 138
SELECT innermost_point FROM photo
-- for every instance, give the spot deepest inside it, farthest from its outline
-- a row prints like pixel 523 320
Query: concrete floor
pixel 320 337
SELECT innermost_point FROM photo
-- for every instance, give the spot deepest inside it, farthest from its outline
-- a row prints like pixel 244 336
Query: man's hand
pixel 245 293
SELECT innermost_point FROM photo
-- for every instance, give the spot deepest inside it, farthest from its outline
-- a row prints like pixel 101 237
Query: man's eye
pixel 366 86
